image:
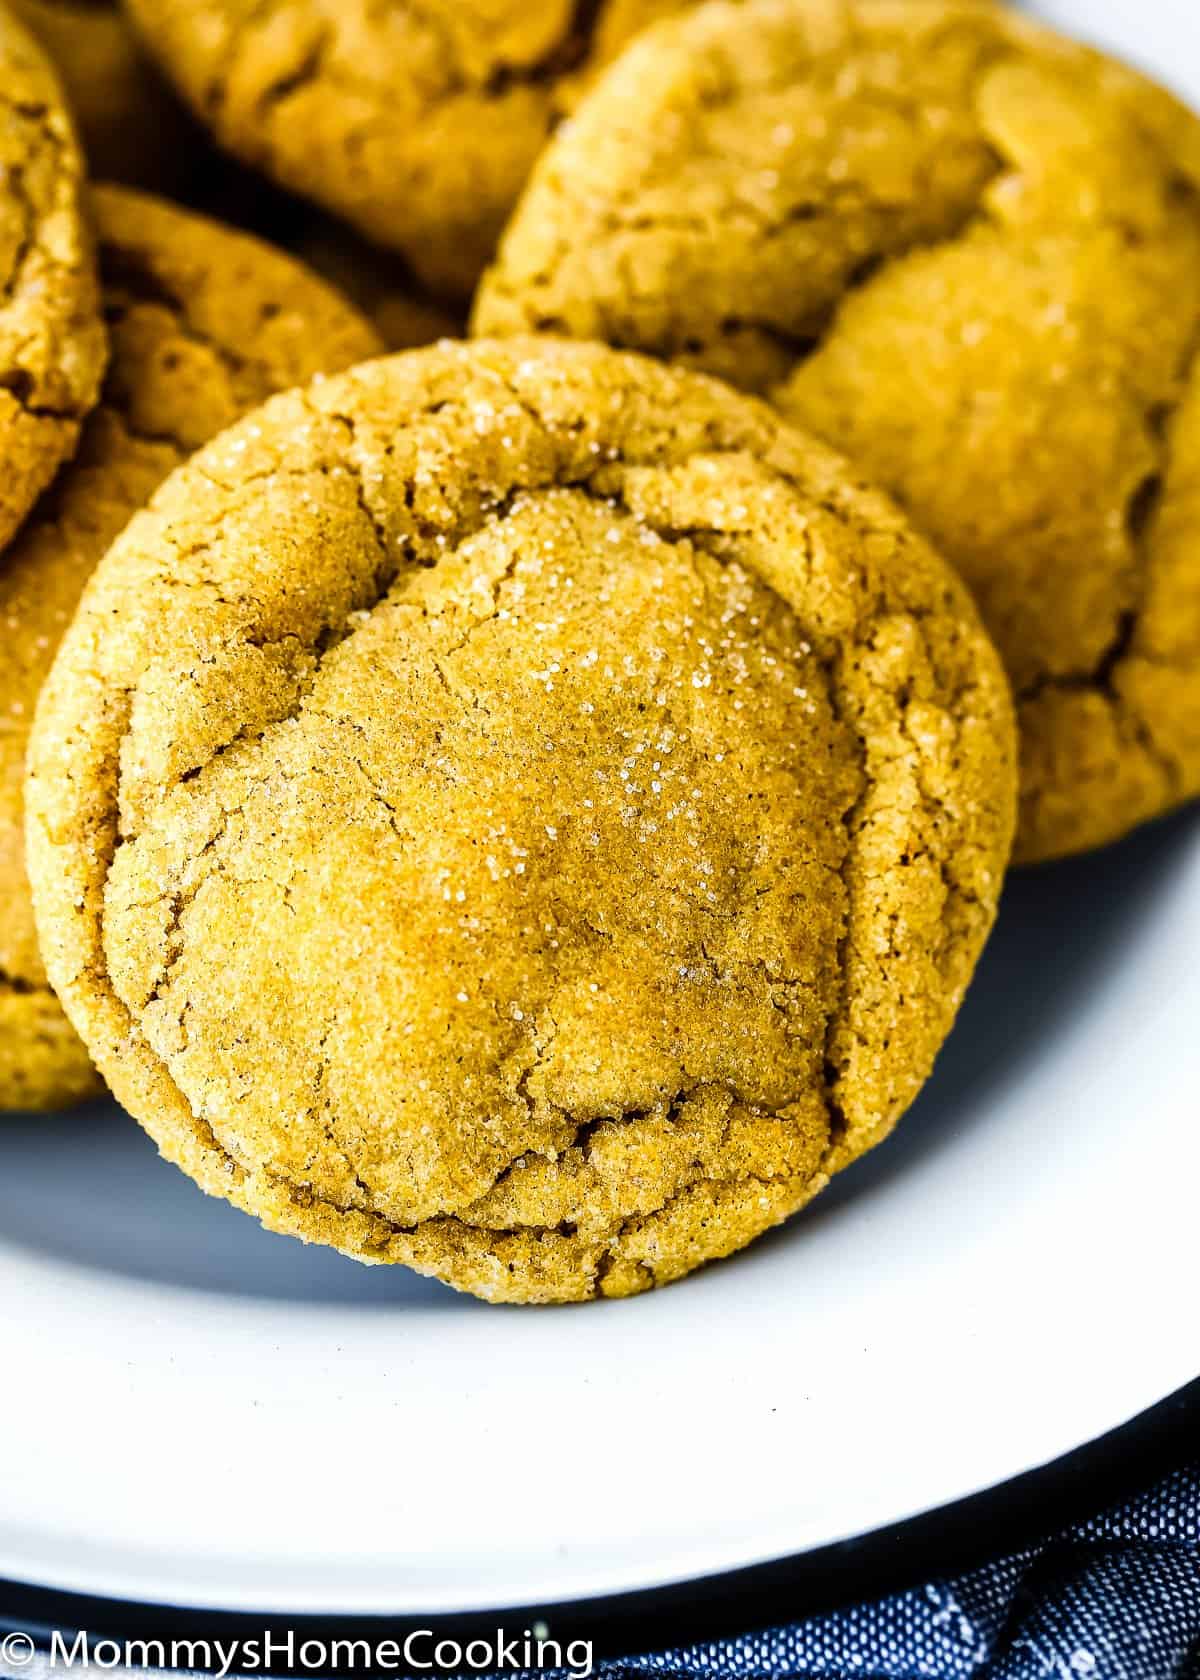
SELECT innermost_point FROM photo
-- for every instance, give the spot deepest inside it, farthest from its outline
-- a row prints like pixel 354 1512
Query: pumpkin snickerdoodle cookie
pixel 967 252
pixel 52 346
pixel 205 323
pixel 131 127
pixel 418 123
pixel 537 824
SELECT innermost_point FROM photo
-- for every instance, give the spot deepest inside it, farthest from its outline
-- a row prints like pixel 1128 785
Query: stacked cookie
pixel 131 332
pixel 530 809
pixel 966 252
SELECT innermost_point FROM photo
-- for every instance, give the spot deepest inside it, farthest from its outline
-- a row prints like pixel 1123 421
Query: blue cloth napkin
pixel 1115 1598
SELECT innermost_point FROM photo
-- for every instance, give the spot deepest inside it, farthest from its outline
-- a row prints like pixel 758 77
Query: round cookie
pixel 131 127
pixel 417 123
pixel 967 253
pixel 205 323
pixel 537 826
pixel 52 345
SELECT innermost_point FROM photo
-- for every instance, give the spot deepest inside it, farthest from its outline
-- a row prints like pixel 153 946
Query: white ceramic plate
pixel 197 1413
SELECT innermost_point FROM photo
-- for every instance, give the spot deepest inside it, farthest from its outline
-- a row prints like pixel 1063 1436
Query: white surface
pixel 195 1412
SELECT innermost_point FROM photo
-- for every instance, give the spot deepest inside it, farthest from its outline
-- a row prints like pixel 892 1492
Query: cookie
pixel 417 123
pixel 205 323
pixel 52 345
pixel 537 826
pixel 131 127
pixel 966 252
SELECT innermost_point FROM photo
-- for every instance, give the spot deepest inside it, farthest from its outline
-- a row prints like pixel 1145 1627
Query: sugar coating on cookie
pixel 205 323
pixel 538 824
pixel 966 252
pixel 131 127
pixel 419 124
pixel 52 345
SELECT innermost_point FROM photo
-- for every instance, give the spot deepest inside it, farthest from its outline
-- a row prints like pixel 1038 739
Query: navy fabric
pixel 1115 1598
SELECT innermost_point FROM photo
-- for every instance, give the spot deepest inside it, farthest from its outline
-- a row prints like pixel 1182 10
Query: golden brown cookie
pixel 968 253
pixel 418 123
pixel 52 345
pixel 131 127
pixel 205 323
pixel 537 826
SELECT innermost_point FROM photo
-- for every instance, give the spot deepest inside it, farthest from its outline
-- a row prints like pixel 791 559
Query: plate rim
pixel 951 1539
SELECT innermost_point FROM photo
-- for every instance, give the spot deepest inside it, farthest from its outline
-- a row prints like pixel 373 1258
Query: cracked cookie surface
pixel 205 323
pixel 52 345
pixel 538 824
pixel 131 127
pixel 966 252
pixel 416 122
